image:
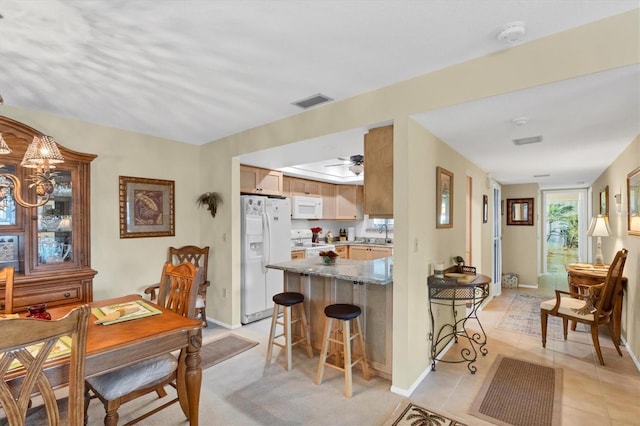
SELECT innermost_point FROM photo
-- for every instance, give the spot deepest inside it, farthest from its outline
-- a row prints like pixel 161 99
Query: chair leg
pixel 543 322
pixel 325 348
pixel 614 339
pixel 365 361
pixel 272 333
pixel 287 336
pixel 112 416
pixel 346 339
pixel 305 330
pixel 565 327
pixel 596 342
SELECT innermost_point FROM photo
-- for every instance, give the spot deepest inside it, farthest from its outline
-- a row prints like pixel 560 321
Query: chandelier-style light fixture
pixel 42 154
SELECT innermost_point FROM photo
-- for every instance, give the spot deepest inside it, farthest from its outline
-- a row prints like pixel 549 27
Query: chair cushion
pixel 114 384
pixel 200 302
pixel 568 307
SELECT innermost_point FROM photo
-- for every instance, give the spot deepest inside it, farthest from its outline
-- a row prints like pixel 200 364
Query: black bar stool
pixel 286 301
pixel 345 314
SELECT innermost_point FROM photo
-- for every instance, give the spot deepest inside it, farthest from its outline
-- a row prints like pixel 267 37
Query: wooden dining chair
pixel 177 292
pixel 6 277
pixel 19 335
pixel 593 309
pixel 199 257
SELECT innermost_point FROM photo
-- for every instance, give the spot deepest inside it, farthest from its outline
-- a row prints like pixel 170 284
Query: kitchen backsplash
pixel 335 226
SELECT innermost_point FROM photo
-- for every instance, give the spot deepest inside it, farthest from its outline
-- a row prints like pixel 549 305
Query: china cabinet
pixel 49 246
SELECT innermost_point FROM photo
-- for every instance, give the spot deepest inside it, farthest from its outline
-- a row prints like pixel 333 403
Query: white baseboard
pixel 407 392
pixel 631 354
pixel 527 286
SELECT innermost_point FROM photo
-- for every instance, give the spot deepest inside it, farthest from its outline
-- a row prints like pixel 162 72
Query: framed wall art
pixel 604 201
pixel 633 202
pixel 520 211
pixel 444 198
pixel 147 207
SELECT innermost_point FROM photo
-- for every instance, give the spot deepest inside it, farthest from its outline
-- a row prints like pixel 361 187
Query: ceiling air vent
pixel 527 141
pixel 313 100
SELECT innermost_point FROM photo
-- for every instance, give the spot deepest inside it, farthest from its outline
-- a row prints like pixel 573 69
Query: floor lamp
pixel 599 228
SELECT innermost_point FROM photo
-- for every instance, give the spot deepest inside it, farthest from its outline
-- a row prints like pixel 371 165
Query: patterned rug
pixel 224 348
pixel 523 316
pixel 410 414
pixel 520 393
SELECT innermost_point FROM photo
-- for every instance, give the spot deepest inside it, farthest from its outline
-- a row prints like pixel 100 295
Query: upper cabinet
pixel 304 187
pixel 378 172
pixel 346 204
pixel 328 193
pixel 254 180
pixel 49 246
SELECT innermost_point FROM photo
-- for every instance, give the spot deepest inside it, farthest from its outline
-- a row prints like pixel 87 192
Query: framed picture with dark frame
pixel 485 209
pixel 520 211
pixel 147 207
pixel 444 198
pixel 604 201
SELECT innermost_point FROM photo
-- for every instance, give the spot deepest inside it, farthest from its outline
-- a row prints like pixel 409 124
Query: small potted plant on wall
pixel 210 200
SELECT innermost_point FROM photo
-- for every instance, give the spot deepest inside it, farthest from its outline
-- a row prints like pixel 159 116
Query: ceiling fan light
pixel 356 169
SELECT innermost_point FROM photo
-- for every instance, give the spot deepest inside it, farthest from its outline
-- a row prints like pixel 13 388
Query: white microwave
pixel 306 207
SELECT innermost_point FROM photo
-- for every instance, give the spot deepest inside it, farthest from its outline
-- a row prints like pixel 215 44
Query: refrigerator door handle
pixel 266 241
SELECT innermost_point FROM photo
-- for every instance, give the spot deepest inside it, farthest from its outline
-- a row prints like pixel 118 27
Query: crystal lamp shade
pixel 42 152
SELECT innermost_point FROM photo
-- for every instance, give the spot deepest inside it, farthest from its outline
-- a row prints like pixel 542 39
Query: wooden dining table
pixel 110 347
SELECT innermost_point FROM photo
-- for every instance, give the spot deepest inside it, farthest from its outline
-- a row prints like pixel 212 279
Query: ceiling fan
pixel 355 163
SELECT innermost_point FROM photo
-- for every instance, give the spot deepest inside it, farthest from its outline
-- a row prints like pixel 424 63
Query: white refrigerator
pixel 266 239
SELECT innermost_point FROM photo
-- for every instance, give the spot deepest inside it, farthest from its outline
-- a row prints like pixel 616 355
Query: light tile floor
pixel 245 391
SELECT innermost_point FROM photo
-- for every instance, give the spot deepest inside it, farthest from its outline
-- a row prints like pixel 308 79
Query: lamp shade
pixel 42 152
pixel 599 227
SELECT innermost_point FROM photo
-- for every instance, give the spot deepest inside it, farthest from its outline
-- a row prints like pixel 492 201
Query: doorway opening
pixel 564 231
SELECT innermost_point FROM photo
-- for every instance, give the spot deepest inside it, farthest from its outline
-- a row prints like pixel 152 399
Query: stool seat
pixel 342 311
pixel 288 311
pixel 288 298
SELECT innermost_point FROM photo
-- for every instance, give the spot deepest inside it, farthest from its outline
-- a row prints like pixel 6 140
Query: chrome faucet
pixel 386 232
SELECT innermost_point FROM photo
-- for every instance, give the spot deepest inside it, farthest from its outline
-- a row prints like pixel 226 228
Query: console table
pixel 582 275
pixel 455 290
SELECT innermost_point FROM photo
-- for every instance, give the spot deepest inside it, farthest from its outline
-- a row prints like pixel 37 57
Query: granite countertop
pixel 379 271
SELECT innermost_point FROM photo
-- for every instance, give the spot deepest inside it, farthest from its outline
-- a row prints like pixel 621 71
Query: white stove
pixel 301 239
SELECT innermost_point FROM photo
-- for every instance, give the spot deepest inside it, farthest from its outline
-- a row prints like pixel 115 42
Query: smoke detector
pixel 512 33
pixel 520 121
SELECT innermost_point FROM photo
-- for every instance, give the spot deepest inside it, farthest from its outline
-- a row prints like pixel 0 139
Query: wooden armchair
pixel 594 309
pixel 199 257
pixel 177 292
pixel 17 336
pixel 6 276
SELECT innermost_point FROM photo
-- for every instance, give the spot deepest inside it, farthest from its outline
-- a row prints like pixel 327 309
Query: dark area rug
pixel 410 414
pixel 223 348
pixel 520 393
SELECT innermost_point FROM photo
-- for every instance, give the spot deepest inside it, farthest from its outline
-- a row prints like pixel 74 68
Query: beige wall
pixel 616 178
pixel 520 243
pixel 127 265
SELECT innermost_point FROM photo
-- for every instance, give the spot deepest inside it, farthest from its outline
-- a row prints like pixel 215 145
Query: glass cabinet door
pixel 55 219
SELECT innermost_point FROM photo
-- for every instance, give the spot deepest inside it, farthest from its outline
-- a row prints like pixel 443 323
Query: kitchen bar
pixel 367 284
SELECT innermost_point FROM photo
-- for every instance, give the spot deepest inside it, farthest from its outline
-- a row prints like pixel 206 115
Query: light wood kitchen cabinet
pixel 255 180
pixel 347 202
pixel 304 187
pixel 378 172
pixel 363 252
pixel 342 251
pixel 297 254
pixel 49 246
pixel 328 193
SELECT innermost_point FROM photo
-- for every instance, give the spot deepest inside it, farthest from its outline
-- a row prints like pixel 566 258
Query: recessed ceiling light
pixel 527 141
pixel 512 33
